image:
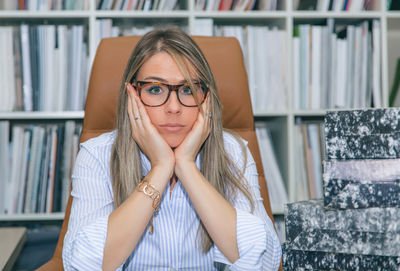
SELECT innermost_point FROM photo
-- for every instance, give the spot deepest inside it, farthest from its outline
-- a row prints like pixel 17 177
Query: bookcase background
pixel 281 122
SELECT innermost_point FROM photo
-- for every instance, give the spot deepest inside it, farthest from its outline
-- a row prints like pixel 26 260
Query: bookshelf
pixel 281 121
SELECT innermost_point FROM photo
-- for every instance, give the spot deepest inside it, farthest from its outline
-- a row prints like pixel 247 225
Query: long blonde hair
pixel 216 165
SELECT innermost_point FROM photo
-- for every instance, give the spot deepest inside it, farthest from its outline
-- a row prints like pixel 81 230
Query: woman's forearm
pixel 216 213
pixel 127 223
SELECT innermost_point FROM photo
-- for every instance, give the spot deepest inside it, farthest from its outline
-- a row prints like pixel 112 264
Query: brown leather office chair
pixel 225 58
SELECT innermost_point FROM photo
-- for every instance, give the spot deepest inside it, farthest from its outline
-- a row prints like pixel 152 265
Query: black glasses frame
pixel 139 84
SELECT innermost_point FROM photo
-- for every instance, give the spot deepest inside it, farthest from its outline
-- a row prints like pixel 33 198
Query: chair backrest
pixel 226 60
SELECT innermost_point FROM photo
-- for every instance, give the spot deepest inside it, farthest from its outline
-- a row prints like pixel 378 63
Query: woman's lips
pixel 172 127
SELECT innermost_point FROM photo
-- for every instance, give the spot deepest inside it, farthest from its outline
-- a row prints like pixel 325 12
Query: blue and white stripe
pixel 173 244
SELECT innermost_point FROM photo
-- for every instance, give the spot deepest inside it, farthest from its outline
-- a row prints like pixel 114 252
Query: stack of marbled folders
pixel 357 224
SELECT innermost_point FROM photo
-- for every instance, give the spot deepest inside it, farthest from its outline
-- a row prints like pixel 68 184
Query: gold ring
pixel 136 118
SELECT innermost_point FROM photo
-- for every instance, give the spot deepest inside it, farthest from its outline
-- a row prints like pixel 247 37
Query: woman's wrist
pixel 159 176
pixel 166 165
pixel 183 166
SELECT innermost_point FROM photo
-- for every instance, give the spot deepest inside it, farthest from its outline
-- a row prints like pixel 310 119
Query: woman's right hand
pixel 146 135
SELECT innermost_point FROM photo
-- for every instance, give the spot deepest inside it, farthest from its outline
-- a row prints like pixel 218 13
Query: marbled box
pixel 311 214
pixel 300 259
pixel 363 134
pixel 361 183
pixel 354 239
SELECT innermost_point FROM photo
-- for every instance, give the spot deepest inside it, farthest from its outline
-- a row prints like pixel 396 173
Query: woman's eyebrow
pixel 151 77
pixel 162 80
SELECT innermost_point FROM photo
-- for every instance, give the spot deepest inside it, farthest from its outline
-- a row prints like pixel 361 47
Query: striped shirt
pixel 173 244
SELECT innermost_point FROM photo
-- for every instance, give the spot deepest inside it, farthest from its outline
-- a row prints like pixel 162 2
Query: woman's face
pixel 172 119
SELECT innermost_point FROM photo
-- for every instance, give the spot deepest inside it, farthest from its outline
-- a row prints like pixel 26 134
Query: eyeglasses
pixel 156 93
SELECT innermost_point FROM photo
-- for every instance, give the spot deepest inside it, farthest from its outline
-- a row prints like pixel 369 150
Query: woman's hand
pixel 189 148
pixel 146 135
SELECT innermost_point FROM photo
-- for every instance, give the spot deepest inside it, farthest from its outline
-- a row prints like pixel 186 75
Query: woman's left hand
pixel 190 146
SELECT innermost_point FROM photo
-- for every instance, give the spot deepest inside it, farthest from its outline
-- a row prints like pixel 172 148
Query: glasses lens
pixel 191 97
pixel 154 94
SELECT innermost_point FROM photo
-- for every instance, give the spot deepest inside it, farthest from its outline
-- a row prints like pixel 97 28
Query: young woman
pixel 169 188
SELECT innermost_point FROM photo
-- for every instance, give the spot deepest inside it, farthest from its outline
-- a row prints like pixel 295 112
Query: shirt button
pixel 171 268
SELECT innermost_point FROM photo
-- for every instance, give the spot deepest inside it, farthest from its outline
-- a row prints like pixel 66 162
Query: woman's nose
pixel 173 105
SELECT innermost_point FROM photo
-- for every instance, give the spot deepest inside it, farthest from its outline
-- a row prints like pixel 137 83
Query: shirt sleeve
pixel 258 243
pixel 92 203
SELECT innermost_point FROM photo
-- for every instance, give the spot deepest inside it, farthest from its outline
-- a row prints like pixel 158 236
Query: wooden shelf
pixel 32 217
pixel 67 115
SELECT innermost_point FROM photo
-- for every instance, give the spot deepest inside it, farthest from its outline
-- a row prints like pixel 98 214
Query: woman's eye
pixel 154 90
pixel 186 90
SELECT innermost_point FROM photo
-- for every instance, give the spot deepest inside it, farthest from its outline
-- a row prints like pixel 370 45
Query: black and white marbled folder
pixel 363 134
pixel 311 215
pixel 354 239
pixel 362 122
pixel 350 194
pixel 361 183
pixel 299 260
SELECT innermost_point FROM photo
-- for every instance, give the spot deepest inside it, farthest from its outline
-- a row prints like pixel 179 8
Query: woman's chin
pixel 174 142
pixel 174 145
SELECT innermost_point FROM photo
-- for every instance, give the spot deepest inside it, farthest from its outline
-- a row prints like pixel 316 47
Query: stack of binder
pixel 357 224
